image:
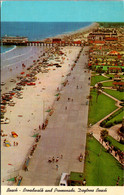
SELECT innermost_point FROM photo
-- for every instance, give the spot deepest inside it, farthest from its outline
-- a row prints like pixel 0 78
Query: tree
pixel 90 98
pixel 94 88
pixel 103 134
pixel 100 70
pixel 100 85
pixel 98 93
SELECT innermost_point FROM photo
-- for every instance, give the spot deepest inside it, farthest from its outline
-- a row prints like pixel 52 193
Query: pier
pixel 41 43
pixel 23 41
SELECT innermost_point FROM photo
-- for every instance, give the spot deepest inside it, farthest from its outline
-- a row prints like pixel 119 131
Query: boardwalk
pixel 65 133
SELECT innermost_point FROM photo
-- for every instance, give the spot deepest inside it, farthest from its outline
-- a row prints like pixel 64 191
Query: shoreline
pixel 18 64
pixel 8 50
pixel 12 70
pixel 81 30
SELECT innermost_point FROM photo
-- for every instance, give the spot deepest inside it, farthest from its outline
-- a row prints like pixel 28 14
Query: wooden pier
pixel 23 41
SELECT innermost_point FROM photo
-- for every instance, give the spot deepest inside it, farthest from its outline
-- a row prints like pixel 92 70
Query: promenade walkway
pixel 65 134
pixel 96 128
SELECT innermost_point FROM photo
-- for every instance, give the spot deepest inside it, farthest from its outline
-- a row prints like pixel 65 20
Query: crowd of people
pixel 118 154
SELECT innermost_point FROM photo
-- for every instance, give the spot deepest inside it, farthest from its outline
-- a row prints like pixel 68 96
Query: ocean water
pixel 38 30
pixel 13 56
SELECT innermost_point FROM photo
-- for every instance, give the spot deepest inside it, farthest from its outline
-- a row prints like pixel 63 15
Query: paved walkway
pixel 65 133
pixel 96 128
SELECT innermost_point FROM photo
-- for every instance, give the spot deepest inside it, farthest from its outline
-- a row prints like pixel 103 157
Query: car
pixel 5 121
pixel 11 104
pixel 12 80
pixel 3 110
pixel 20 97
pixel 3 83
pixel 64 179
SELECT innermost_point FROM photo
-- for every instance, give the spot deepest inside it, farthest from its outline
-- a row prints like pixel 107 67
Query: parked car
pixel 2 83
pixel 11 104
pixel 64 179
pixel 5 121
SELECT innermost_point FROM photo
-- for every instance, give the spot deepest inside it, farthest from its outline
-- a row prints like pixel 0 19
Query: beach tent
pixel 7 143
pixel 14 134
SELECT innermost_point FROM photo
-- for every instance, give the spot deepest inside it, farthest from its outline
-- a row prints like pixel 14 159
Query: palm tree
pixel 98 93
pixel 100 85
pixel 103 134
pixel 94 88
pixel 90 98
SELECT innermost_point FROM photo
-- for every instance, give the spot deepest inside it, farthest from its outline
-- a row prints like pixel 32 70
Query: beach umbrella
pixel 57 94
pixel 22 73
pixel 11 179
pixel 23 65
pixel 7 143
pixel 48 110
pixel 35 135
pixel 14 134
pixel 119 56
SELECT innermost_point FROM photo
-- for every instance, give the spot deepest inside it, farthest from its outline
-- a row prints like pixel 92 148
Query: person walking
pixel 57 167
pixel 57 159
pixel 53 159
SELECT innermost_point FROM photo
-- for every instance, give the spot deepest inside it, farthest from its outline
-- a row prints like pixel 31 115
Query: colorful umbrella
pixel 35 135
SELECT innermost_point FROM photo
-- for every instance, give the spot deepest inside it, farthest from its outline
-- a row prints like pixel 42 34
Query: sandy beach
pixel 30 110
pixel 11 62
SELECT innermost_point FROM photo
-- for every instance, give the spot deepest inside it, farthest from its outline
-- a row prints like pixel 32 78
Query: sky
pixel 63 11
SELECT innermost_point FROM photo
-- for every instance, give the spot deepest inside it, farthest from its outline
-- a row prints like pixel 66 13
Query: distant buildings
pixel 102 35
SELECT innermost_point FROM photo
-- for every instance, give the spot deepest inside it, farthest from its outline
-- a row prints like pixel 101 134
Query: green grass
pixel 110 75
pixel 108 84
pixel 76 176
pixel 103 169
pixel 117 119
pixel 101 108
pixel 104 67
pixel 107 122
pixel 115 143
pixel 117 94
pixel 96 79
